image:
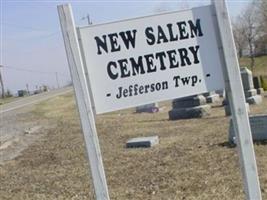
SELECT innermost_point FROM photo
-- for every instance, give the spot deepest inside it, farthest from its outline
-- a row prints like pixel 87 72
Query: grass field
pixel 7 100
pixel 260 65
pixel 192 161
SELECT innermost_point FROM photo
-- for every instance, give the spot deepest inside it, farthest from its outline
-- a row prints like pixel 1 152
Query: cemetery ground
pixel 260 64
pixel 192 161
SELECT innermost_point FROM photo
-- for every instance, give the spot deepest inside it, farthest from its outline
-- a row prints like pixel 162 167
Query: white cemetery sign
pixel 149 59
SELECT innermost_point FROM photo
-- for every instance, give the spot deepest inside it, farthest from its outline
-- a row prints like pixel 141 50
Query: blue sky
pixel 32 41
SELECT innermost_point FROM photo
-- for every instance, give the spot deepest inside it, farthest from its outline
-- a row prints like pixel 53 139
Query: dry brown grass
pixel 192 161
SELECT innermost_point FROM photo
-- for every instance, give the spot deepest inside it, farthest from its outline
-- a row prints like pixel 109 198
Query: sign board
pixel 156 58
pixel 150 59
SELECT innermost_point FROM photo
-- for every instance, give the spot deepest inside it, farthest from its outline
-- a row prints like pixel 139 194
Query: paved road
pixel 25 101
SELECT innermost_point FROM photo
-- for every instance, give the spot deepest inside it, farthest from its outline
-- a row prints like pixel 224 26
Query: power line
pixel 34 71
pixel 47 36
pixel 33 29
pixel 22 26
pixel 40 38
pixel 31 70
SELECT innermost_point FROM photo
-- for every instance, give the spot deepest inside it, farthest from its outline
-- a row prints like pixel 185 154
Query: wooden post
pixel 236 98
pixel 83 101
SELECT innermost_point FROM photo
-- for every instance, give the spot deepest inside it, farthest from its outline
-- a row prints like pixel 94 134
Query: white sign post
pixel 155 58
pixel 83 100
pixel 237 101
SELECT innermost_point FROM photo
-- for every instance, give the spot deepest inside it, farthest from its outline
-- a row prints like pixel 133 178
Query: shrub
pixel 263 83
pixel 8 93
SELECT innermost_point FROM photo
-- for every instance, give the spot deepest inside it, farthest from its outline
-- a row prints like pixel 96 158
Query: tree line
pixel 250 31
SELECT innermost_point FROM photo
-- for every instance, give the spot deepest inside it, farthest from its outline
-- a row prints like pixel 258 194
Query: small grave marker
pixel 149 108
pixel 142 142
pixel 212 97
pixel 258 125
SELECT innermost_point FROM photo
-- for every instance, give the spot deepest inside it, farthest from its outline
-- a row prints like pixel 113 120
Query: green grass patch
pixel 7 100
pixel 260 65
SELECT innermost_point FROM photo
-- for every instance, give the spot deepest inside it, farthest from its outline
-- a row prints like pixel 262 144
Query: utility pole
pixel 28 91
pixel 57 79
pixel 88 19
pixel 2 83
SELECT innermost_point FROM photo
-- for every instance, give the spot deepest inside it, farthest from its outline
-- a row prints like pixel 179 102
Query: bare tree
pixel 240 40
pixel 262 18
pixel 248 30
pixel 262 11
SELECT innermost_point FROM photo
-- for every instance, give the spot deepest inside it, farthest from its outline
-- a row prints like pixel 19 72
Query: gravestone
pixel 142 142
pixel 221 93
pixel 211 97
pixel 189 107
pixel 150 108
pixel 258 125
pixel 249 90
pixel 227 106
pixel 260 91
pixel 228 110
pixel 257 85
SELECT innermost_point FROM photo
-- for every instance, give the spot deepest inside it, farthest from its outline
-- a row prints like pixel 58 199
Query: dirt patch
pixel 192 161
pixel 19 129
